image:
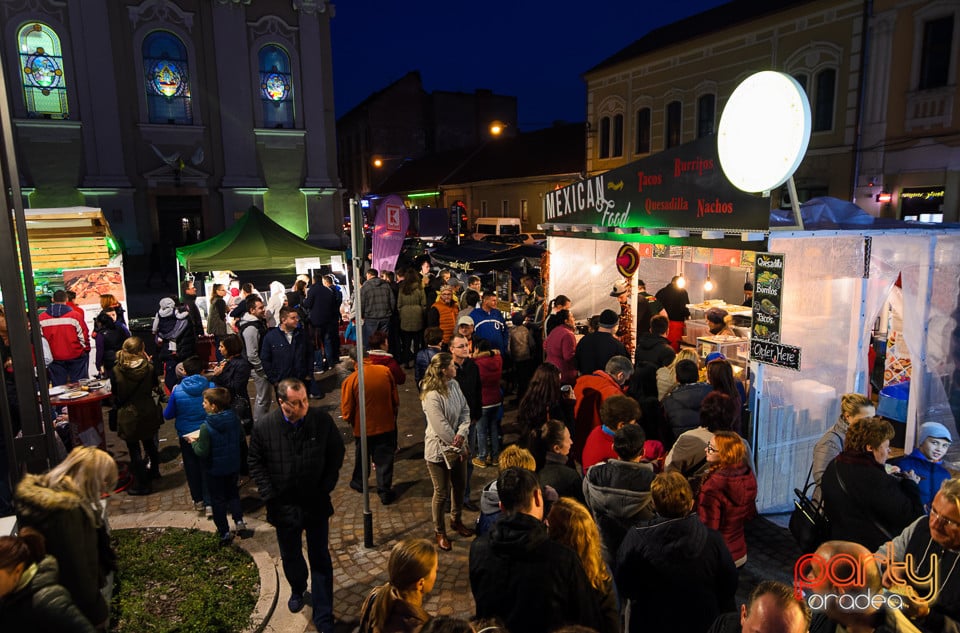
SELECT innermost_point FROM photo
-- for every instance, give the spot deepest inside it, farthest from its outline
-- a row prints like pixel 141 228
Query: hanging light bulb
pixel 681 282
pixel 595 269
pixel 708 285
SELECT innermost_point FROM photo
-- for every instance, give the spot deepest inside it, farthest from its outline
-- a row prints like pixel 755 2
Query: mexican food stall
pixel 824 289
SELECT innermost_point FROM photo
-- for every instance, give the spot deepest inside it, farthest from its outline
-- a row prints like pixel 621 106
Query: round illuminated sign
pixel 764 131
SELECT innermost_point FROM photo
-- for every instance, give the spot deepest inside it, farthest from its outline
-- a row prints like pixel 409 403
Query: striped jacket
pixel 62 328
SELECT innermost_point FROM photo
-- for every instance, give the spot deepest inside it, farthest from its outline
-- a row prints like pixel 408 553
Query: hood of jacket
pixel 58 309
pixel 490 498
pixel 135 372
pixel 737 484
pixel 33 498
pixel 515 535
pixel 222 421
pixel 620 489
pixel 194 385
pixel 649 340
pixel 667 540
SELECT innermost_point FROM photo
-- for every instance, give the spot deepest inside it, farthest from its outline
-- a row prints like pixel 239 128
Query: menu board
pixel 767 294
pixel 504 285
pixel 765 344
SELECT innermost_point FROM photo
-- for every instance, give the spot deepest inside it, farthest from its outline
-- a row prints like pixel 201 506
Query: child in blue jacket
pixel 219 447
pixel 933 440
pixel 186 405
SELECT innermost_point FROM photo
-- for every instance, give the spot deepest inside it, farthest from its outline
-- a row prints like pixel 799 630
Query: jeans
pixel 443 479
pixel 488 430
pixel 381 448
pixel 64 371
pixel 321 568
pixel 328 337
pixel 371 325
pixel 193 467
pixel 225 495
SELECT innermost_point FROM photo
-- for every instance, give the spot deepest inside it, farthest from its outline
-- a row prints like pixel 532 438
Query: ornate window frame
pixel 921 16
pixel 611 107
pixel 812 60
pixel 52 18
pixel 271 30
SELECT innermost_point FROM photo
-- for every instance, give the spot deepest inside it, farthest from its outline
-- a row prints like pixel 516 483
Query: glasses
pixel 712 449
pixel 945 520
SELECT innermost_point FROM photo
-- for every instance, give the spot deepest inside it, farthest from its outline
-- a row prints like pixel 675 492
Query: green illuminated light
pixel 423 195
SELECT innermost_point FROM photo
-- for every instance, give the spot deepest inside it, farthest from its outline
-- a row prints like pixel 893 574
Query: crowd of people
pixel 617 501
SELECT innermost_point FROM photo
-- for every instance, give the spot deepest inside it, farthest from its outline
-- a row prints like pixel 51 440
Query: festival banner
pixel 389 229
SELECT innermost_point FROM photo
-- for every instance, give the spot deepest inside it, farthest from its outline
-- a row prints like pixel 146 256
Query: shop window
pixel 706 106
pixel 167 77
pixel 605 137
pixel 41 72
pixel 824 100
pixel 935 55
pixel 643 131
pixel 276 87
pixel 674 112
pixel 618 135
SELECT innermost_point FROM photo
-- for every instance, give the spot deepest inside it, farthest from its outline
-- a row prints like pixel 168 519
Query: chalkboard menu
pixel 767 293
pixel 504 290
pixel 765 344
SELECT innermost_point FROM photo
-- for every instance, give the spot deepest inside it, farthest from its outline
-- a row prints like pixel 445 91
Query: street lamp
pixel 497 128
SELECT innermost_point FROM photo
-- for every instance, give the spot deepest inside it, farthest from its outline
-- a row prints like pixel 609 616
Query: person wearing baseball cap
pixel 465 329
pixel 926 460
pixel 596 348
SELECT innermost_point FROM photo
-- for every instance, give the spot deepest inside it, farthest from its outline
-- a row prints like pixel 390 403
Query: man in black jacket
pixel 295 458
pixel 519 575
pixel 324 312
pixel 285 351
pixel 468 377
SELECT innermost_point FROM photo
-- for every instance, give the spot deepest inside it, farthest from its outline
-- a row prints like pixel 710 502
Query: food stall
pixel 683 217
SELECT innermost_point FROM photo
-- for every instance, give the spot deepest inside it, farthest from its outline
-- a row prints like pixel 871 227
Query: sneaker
pixel 208 510
pixel 241 527
pixel 226 539
pixel 295 603
pixel 479 462
pixel 198 506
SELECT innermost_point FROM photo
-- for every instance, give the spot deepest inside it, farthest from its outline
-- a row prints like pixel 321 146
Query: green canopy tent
pixel 254 242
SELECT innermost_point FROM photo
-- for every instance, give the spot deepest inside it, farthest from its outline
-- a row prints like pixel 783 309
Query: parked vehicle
pixel 495 226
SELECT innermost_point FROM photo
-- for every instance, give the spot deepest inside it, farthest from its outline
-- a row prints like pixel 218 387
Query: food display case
pixel 736 349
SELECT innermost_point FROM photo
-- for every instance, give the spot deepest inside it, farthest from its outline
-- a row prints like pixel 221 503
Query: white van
pixel 495 226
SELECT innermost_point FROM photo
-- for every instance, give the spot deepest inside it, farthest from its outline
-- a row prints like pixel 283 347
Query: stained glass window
pixel 276 87
pixel 167 78
pixel 41 72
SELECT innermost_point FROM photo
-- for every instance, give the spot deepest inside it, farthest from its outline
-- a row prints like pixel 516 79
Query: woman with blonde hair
pixel 667 376
pixel 444 450
pixel 138 413
pixel 397 606
pixel 64 505
pixel 853 408
pixel 728 494
pixel 570 523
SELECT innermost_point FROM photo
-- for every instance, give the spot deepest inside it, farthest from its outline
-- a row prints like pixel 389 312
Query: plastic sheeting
pixel 829 308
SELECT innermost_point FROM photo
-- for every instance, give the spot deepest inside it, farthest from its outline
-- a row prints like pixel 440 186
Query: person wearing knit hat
pixel 718 322
pixel 596 348
pixel 933 440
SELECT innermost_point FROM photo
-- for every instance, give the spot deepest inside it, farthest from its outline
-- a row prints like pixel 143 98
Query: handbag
pixel 809 525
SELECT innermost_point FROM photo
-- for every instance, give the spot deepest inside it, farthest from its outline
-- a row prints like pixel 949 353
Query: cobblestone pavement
pixel 356 568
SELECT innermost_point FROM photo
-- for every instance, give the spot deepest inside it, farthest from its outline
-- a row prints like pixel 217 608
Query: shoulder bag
pixel 809 525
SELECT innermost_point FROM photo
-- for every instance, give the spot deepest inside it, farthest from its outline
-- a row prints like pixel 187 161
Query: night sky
pixel 535 50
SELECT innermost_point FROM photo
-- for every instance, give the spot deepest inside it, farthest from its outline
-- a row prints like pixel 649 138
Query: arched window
pixel 674 113
pixel 605 137
pixel 618 135
pixel 41 72
pixel 706 113
pixel 276 87
pixel 643 131
pixel 167 77
pixel 824 100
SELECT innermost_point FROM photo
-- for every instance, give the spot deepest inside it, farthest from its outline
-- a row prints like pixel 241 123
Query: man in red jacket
pixel 591 390
pixel 382 404
pixel 62 328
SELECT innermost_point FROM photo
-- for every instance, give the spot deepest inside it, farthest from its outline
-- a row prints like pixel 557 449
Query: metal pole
pixel 356 221
pixel 35 448
pixel 794 203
